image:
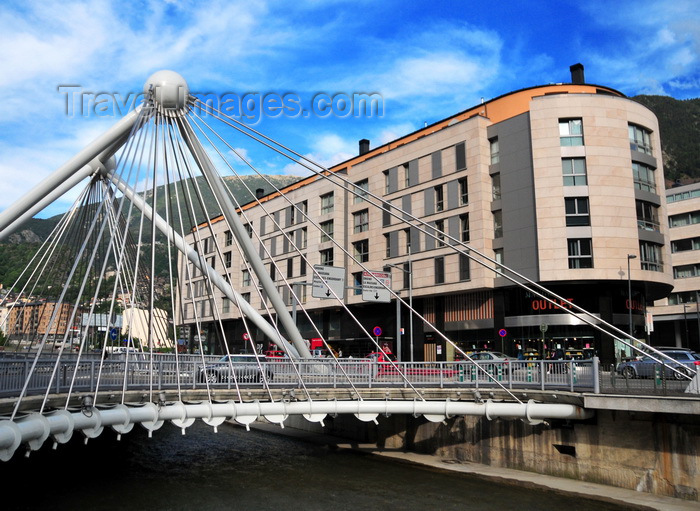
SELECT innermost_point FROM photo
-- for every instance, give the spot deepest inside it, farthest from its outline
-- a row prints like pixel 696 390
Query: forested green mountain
pixel 679 124
pixel 21 245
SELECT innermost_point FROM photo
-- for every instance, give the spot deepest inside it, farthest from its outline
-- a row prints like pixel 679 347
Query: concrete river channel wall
pixel 643 451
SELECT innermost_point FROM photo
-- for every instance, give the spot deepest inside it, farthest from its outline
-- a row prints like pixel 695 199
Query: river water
pixel 239 470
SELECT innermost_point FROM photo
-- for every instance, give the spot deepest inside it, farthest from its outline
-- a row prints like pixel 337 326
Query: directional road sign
pixel 376 286
pixel 327 281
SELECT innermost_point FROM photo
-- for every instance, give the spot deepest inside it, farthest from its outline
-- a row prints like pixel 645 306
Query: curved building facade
pixel 562 183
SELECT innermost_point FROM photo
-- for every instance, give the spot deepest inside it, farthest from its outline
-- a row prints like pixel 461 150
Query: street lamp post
pixel 410 306
pixel 685 323
pixel 629 293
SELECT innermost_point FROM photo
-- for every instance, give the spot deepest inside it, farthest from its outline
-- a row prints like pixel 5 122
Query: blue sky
pixel 427 60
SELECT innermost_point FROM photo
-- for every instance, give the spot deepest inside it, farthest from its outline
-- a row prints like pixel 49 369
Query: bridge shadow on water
pixel 235 469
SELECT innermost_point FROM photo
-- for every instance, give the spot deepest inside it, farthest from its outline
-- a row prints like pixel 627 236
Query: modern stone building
pixel 562 183
pixel 676 318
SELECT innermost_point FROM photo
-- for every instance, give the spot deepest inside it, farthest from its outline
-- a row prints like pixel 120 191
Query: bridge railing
pixel 163 372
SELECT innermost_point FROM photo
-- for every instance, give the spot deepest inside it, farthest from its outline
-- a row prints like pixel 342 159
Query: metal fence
pixel 162 372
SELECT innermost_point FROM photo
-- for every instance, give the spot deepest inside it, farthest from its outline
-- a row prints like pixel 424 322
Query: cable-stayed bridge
pixel 147 184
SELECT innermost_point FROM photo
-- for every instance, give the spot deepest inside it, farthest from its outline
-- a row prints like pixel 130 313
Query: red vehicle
pixel 275 354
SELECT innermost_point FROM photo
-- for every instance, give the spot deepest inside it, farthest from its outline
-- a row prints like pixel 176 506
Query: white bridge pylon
pixel 161 144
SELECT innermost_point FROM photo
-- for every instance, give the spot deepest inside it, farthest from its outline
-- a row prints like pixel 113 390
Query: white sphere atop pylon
pixel 169 88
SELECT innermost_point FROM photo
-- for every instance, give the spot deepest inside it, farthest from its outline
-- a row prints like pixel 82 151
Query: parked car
pixel 686 362
pixel 492 361
pixel 239 368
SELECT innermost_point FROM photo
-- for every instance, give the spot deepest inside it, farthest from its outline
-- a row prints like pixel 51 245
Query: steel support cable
pixel 140 148
pixel 327 174
pixel 186 270
pixel 86 278
pixel 279 227
pixel 346 252
pixel 151 290
pixel 180 157
pixel 53 318
pixel 168 207
pixel 211 290
pixel 133 145
pixel 47 251
pixel 275 223
pixel 363 195
pixel 229 211
pixel 180 166
pixel 118 255
pixel 245 261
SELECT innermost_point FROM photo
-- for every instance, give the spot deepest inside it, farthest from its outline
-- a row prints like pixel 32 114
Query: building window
pixel 290 267
pixel 640 139
pixel 690 218
pixel 684 297
pixel 407 237
pixel 464 227
pixel 574 171
pixel 246 278
pixel 440 232
pixel 571 132
pixel 246 297
pixel 461 156
pixel 686 271
pixel 357 283
pixel 439 270
pixel 577 211
pixel 495 151
pixel 387 243
pixel 387 182
pixel 498 224
pixel 681 196
pixel 326 230
pixel 498 257
pixel 302 266
pixel 580 253
pixel 327 257
pixel 303 211
pixel 249 229
pixel 496 187
pixel 650 256
pixel 439 198
pixel 327 203
pixel 406 275
pixel 226 305
pixel 406 175
pixel 227 259
pixel 647 216
pixel 463 267
pixel 273 271
pixel 361 221
pixel 361 251
pixel 302 241
pixel 685 245
pixel 361 189
pixel 463 191
pixel 228 238
pixel 644 178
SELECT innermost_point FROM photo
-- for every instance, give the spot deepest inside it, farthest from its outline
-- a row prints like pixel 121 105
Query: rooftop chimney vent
pixel 577 74
pixel 364 146
pixel 259 193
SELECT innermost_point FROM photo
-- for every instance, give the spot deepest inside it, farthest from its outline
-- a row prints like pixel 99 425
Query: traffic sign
pixel 502 332
pixel 376 286
pixel 245 336
pixel 377 331
pixel 328 282
pixel 113 333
